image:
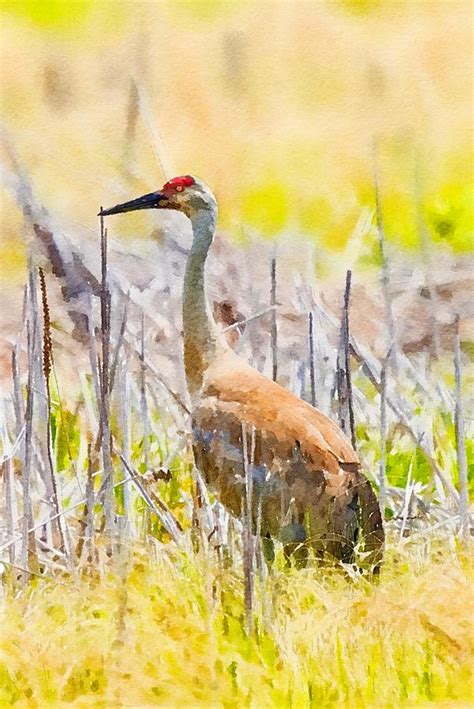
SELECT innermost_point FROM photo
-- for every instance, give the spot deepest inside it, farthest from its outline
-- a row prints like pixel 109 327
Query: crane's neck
pixel 201 337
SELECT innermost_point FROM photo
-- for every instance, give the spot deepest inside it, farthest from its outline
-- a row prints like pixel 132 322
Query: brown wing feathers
pixel 309 459
pixel 259 402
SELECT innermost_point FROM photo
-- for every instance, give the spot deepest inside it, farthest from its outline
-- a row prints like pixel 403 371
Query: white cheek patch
pixel 206 198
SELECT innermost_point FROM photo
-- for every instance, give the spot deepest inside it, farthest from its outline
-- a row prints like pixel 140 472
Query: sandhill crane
pixel 307 482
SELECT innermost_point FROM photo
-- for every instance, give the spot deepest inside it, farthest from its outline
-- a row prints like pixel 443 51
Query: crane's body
pixel 308 488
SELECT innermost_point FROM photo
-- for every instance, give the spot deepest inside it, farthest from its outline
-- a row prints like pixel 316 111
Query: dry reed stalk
pixel 104 370
pixel 9 483
pixel 340 385
pixel 405 514
pixel 143 398
pixel 247 537
pixel 125 413
pixel 383 437
pixel 47 362
pixel 63 512
pixel 156 375
pixel 312 374
pixel 274 327
pixel 18 405
pixel 29 559
pixel 398 407
pixel 17 397
pixel 119 343
pixel 460 437
pixel 347 362
pixel 343 371
pixel 200 507
pixel 90 501
pixel 95 365
pixel 84 521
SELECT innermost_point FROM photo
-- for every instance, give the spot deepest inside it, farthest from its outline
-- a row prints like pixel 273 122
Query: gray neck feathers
pixel 201 338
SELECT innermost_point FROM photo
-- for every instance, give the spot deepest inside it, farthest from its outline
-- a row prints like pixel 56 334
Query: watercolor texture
pixel 236 353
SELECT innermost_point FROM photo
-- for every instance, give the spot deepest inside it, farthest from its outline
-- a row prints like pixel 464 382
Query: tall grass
pixel 320 640
pixel 153 620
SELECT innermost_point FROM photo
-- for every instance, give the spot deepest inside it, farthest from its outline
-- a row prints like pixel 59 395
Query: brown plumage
pixel 306 474
pixel 308 488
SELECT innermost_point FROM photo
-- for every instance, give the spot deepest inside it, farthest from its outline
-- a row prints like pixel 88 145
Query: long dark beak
pixel 154 200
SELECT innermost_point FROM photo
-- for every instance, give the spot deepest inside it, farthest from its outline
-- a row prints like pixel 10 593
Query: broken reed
pixel 347 362
pixel 343 369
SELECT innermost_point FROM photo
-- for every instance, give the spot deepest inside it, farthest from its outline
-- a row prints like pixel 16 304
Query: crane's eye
pixel 179 188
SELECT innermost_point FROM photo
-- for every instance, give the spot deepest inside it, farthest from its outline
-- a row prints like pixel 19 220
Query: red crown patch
pixel 184 181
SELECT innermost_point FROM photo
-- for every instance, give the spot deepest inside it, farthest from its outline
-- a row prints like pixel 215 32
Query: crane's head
pixel 185 194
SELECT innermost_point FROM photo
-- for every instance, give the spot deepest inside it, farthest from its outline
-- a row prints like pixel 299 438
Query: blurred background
pixel 291 111
pixel 275 104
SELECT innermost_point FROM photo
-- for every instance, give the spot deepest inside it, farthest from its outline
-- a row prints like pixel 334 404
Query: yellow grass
pixel 175 637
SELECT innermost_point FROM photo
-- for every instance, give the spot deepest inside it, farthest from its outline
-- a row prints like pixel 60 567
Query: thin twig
pixel 248 552
pixel 86 523
pixel 156 139
pixel 250 319
pixel 274 330
pixel 383 436
pixel 161 510
pixel 460 436
pixel 37 574
pixel 9 482
pixel 17 398
pixel 343 369
pixel 125 414
pixel 347 363
pixel 405 515
pixel 105 383
pixel 119 343
pixel 312 376
pixel 41 524
pixel 150 367
pixel 143 399
pixel 28 548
